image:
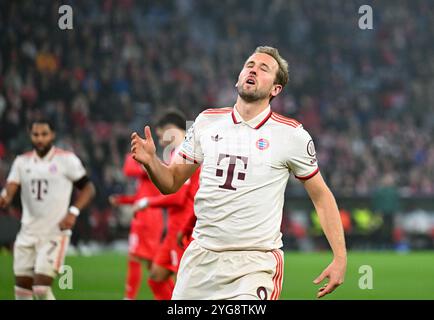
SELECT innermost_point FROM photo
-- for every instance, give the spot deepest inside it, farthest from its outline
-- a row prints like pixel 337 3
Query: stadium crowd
pixel 366 96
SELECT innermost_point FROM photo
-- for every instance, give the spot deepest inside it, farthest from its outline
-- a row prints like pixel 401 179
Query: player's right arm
pixel 8 193
pixel 167 178
pixel 13 182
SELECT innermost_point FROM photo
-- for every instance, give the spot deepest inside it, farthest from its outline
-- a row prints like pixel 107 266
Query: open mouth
pixel 250 81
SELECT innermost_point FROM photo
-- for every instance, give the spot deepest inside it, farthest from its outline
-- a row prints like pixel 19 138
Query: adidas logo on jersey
pixel 216 138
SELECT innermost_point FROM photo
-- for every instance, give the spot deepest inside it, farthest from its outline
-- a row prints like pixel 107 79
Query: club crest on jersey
pixel 262 144
pixel 53 168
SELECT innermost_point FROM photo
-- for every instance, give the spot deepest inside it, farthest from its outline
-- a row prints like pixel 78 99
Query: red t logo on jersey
pixel 231 170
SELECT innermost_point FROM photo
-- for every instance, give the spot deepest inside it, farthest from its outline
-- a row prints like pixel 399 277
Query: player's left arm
pixel 76 173
pixel 85 195
pixel 122 199
pixel 328 213
pixel 186 231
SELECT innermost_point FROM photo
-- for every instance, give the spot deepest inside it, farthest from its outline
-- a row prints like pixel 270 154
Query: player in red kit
pixel 185 235
pixel 180 209
pixel 146 227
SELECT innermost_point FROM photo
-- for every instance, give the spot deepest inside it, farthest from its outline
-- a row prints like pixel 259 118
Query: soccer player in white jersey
pixel 247 154
pixel 46 177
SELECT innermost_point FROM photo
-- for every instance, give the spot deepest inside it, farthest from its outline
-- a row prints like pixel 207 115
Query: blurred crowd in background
pixel 366 96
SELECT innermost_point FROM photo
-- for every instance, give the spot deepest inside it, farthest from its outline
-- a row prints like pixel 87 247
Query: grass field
pixel 395 276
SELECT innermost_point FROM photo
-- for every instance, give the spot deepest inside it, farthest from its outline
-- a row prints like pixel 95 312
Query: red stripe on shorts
pixel 277 279
pixel 61 253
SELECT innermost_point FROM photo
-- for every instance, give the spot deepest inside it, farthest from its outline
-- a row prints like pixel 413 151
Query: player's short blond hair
pixel 282 76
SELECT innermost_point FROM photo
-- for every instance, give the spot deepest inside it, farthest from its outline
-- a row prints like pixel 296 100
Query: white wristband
pixel 142 203
pixel 74 210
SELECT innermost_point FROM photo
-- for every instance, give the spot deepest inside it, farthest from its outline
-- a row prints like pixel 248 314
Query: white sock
pixel 43 293
pixel 23 294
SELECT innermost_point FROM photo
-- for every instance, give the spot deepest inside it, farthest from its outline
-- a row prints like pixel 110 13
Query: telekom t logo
pixel 39 187
pixel 231 170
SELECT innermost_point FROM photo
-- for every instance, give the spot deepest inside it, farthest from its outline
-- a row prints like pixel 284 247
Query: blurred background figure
pixel 45 178
pixel 386 202
pixel 170 128
pixel 146 229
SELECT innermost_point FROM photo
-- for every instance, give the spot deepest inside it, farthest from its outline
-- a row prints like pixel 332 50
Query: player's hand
pixel 3 203
pixel 335 272
pixel 113 201
pixel 68 222
pixel 143 150
pixel 4 199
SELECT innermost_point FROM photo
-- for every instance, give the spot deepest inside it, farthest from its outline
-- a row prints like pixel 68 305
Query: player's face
pixel 42 138
pixel 256 79
pixel 169 134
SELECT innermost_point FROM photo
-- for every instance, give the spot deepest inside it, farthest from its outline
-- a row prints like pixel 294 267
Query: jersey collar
pixel 254 123
pixel 48 156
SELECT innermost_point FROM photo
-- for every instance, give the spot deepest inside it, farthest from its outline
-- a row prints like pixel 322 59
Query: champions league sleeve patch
pixel 311 148
pixel 189 134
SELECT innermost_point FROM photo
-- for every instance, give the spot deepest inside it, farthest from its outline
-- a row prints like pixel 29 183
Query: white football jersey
pixel 46 187
pixel 245 169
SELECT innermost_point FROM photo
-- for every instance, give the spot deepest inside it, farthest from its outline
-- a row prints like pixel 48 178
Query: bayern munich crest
pixel 262 144
pixel 53 168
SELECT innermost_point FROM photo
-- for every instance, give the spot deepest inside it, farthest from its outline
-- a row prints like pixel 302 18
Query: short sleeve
pixel 302 159
pixel 14 174
pixel 191 148
pixel 75 169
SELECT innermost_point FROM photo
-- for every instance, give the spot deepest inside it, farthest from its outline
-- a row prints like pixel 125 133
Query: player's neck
pixel 249 110
pixel 43 153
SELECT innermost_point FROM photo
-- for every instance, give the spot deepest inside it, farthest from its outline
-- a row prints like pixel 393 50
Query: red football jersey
pixel 180 205
pixel 147 225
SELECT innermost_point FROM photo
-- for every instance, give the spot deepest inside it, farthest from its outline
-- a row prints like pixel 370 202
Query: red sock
pixel 162 289
pixel 134 277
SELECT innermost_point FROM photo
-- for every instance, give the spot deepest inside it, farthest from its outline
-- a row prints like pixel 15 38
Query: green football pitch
pixel 394 276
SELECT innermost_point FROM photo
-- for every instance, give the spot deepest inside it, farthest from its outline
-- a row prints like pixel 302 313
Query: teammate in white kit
pixel 247 154
pixel 46 177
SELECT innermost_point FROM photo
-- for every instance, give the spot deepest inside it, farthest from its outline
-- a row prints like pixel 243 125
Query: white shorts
pixel 40 254
pixel 246 275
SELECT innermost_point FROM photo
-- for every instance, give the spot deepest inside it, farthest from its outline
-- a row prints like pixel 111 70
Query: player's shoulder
pixel 216 112
pixel 291 127
pixel 285 121
pixel 60 153
pixel 212 116
pixel 25 156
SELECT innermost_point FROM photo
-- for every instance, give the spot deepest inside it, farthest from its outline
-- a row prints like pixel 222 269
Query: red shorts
pixel 145 235
pixel 169 253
